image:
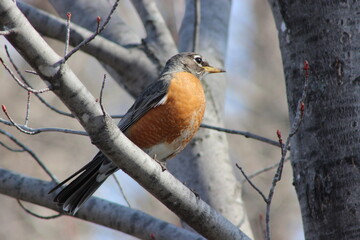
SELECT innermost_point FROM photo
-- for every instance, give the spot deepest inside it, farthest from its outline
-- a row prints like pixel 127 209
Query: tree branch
pixel 124 60
pixel 95 210
pixel 157 31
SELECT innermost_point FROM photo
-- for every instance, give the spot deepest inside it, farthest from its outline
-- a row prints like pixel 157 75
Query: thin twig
pixel 151 54
pixel 97 32
pixel 10 148
pixel 101 95
pixel 27 110
pixel 261 171
pixel 5 32
pixel 32 154
pixel 32 72
pixel 245 134
pixel 294 128
pixel 24 83
pixel 251 183
pixel 121 190
pixel 67 38
pixel 197 19
pixel 14 123
pixel 35 214
pixel 29 85
pixel 20 83
pixel 40 130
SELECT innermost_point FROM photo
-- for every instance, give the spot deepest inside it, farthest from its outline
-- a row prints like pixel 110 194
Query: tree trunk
pixel 205 165
pixel 325 152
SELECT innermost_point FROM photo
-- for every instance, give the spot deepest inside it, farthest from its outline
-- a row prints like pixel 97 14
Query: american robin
pixel 162 120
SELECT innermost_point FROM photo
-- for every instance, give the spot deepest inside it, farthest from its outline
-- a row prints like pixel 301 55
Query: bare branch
pixel 32 154
pixel 14 123
pixel 158 33
pixel 34 131
pixel 10 148
pixel 122 62
pixel 20 83
pixel 97 32
pixel 251 183
pixel 4 33
pixel 257 173
pixel 96 210
pixel 67 39
pixel 121 190
pixel 197 21
pixel 101 95
pixel 245 134
pixel 294 128
pixel 27 109
pixel 35 214
pixel 32 72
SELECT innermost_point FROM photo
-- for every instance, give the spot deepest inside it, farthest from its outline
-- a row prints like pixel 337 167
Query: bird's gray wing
pixel 151 97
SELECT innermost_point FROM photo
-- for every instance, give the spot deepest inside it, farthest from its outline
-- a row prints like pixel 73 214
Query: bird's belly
pixel 169 147
pixel 166 129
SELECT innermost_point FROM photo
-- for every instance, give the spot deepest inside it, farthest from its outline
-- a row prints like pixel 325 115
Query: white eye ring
pixel 198 59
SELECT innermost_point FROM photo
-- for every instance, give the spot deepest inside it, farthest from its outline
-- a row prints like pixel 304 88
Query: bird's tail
pixel 92 175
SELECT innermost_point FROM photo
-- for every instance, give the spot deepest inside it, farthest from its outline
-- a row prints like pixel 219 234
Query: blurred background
pixel 255 102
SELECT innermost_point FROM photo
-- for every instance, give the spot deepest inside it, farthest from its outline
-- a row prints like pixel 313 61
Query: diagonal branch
pixel 95 210
pixel 156 28
pixel 29 151
pixel 125 60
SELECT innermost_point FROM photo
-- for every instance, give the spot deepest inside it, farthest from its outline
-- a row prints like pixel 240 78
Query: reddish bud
pixel 3 108
pixel 278 133
pixel 306 65
pixel 98 19
pixel 68 14
pixel 152 236
pixel 97 100
pixel 302 106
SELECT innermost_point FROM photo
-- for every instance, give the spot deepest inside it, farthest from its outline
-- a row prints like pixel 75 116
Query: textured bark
pixel 325 152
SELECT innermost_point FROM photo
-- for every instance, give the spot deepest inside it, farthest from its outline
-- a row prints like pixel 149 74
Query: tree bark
pixel 325 152
pixel 95 210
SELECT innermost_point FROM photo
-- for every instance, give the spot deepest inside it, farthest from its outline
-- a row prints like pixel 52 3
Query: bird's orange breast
pixel 174 122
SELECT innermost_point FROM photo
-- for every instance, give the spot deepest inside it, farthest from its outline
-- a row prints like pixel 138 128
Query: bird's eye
pixel 198 60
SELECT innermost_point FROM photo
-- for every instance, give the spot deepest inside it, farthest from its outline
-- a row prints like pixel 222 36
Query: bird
pixel 161 121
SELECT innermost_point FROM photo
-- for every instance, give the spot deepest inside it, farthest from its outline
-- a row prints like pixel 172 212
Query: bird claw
pixel 162 164
pixel 195 193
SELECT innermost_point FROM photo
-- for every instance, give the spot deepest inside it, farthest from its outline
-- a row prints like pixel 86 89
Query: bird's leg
pixel 162 164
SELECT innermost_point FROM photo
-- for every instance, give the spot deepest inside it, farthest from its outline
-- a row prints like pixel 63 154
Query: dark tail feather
pixel 78 191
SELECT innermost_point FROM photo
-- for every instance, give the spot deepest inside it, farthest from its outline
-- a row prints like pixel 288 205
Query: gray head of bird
pixel 190 62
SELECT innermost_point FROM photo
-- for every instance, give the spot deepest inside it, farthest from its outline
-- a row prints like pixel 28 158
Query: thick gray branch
pixel 106 135
pixel 126 61
pixel 96 210
pixel 158 34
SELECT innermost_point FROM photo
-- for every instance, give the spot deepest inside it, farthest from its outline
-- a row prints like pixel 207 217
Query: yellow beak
pixel 210 69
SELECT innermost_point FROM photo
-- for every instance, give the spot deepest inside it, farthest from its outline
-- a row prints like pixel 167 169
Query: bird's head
pixel 190 62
